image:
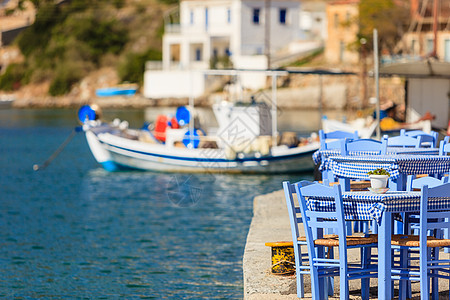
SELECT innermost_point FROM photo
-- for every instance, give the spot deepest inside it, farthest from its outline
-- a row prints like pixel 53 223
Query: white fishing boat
pixel 242 144
pixel 245 141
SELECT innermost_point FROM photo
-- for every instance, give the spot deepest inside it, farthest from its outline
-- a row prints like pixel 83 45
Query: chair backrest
pixel 444 146
pixel 432 218
pixel 403 141
pixel 418 183
pixel 334 137
pixel 293 209
pixel 315 221
pixel 427 137
pixel 379 147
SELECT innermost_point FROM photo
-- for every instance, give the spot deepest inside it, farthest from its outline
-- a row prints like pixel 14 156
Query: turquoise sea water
pixel 74 230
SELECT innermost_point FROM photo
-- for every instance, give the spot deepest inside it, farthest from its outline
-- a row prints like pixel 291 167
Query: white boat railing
pixel 238 72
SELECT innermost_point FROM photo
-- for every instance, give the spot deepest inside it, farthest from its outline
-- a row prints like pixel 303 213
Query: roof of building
pixel 417 69
pixel 343 2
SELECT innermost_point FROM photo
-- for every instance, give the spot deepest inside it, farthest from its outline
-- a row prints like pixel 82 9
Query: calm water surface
pixel 74 230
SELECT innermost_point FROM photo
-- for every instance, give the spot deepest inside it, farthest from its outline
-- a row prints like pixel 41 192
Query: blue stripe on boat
pixel 262 158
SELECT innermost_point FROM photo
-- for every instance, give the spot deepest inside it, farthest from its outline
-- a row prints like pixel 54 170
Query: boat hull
pixel 115 153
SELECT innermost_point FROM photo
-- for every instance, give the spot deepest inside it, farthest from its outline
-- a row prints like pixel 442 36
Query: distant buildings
pixel 242 34
pixel 342 30
pixel 420 38
pixel 14 17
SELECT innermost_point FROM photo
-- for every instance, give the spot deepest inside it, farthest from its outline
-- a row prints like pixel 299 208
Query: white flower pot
pixel 378 181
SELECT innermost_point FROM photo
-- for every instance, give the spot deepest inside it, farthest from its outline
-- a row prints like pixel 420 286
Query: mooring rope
pixel 57 151
pixel 285 262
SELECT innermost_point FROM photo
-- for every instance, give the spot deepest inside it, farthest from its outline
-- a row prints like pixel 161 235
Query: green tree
pixel 133 65
pixel 12 78
pixel 69 39
pixel 389 17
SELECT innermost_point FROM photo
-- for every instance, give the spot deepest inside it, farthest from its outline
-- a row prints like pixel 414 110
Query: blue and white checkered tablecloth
pixel 367 206
pixel 320 155
pixel 358 166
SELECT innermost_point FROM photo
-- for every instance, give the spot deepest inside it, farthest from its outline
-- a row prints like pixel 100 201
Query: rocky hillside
pixel 76 46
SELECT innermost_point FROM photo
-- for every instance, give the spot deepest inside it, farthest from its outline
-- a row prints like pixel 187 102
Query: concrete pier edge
pixel 270 223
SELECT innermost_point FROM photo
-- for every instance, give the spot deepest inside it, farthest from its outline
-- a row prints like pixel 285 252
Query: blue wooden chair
pixel 444 149
pixel 301 259
pixel 427 242
pixel 407 141
pixel 444 146
pixel 431 137
pixel 413 219
pixel 321 266
pixel 298 241
pixel 332 140
pixel 379 147
pixel 418 183
pixel 361 145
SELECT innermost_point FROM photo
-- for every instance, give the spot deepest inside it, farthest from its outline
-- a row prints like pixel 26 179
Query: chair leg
pixel 366 254
pixel 300 286
pixel 446 249
pixel 299 263
pixel 435 280
pixel 330 280
pixel 403 284
pixel 315 289
pixel 343 293
pixel 374 227
pixel 366 227
pixel 424 282
pixel 349 229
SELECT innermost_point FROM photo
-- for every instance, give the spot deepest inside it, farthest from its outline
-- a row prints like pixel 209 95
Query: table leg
pixel 398 184
pixel 345 184
pixel 384 257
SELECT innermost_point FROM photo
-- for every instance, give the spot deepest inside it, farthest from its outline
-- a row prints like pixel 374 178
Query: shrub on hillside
pixel 12 78
pixel 67 74
pixel 133 66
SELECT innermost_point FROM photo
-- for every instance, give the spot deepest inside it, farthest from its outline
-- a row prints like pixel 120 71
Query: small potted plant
pixel 378 178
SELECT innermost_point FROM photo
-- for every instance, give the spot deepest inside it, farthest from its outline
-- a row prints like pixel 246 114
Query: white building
pixel 240 34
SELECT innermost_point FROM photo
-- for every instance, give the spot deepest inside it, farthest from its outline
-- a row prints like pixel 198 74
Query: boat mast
pixel 274 109
pixel 191 110
pixel 435 27
pixel 377 84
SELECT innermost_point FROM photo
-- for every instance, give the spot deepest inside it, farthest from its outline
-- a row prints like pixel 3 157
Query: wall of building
pixel 173 84
pixel 269 31
pixel 429 94
pixel 342 31
pixel 420 44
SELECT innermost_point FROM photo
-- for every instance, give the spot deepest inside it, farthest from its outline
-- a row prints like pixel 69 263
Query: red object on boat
pixel 174 123
pixel 160 128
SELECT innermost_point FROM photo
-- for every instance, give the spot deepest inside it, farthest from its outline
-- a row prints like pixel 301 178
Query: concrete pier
pixel 270 223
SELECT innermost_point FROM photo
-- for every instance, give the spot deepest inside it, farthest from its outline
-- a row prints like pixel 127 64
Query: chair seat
pixel 351 240
pixel 413 241
pixel 326 236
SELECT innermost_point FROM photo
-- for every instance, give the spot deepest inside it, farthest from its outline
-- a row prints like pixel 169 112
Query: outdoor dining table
pixel 382 208
pixel 322 157
pixel 398 165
